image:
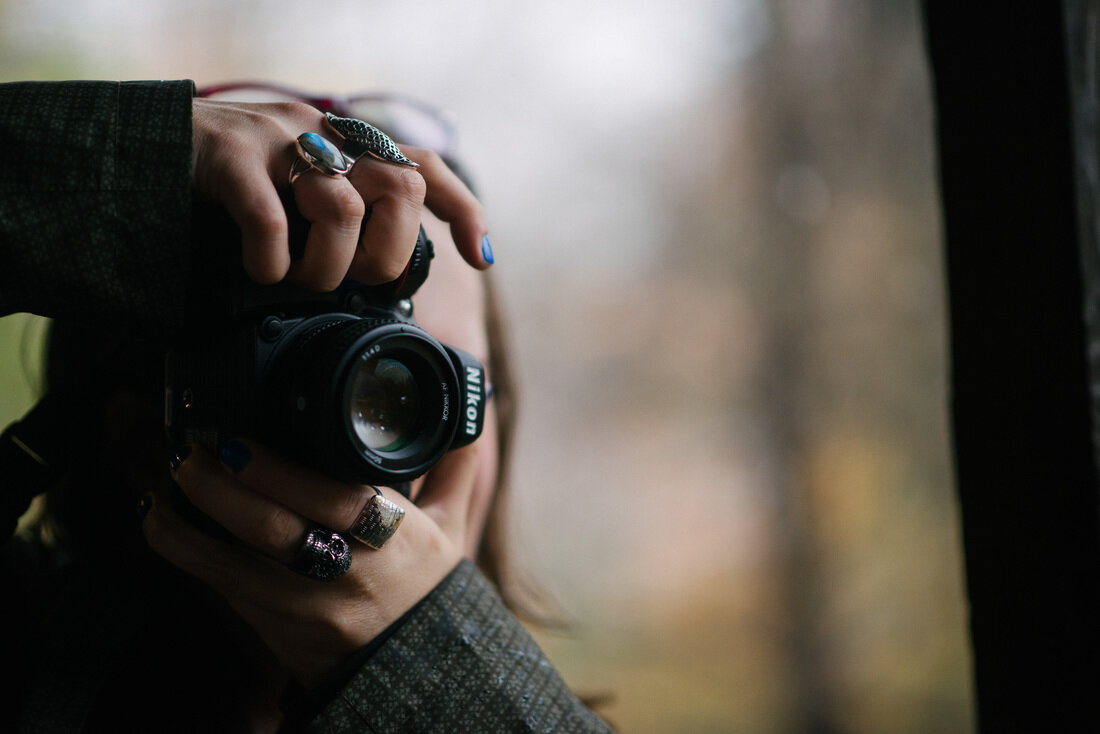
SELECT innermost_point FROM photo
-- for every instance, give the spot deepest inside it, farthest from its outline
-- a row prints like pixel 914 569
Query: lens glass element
pixel 384 404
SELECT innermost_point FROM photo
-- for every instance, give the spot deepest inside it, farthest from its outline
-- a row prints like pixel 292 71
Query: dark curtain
pixel 1016 125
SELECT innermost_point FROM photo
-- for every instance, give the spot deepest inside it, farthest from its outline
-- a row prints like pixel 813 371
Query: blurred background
pixel 716 227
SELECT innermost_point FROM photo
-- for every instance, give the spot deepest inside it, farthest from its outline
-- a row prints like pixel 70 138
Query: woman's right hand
pixel 242 159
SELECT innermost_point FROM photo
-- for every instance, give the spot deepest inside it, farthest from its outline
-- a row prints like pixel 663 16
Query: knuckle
pixel 294 110
pixel 277 530
pixel 349 205
pixel 346 510
pixel 333 201
pixel 411 186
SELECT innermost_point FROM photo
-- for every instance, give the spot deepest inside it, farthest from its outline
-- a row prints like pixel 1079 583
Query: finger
pixel 448 487
pixel 253 202
pixel 484 485
pixel 307 493
pixel 335 211
pixel 265 525
pixel 229 570
pixel 395 197
pixel 452 201
pixel 232 166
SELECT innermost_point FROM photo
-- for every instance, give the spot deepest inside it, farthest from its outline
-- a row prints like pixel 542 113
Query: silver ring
pixel 377 521
pixel 315 153
pixel 324 555
pixel 362 138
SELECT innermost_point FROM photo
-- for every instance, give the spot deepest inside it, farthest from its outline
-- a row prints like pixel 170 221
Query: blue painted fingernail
pixel 235 455
pixel 486 250
pixel 181 455
pixel 144 506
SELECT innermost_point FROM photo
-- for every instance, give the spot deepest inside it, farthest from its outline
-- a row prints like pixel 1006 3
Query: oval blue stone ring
pixel 315 153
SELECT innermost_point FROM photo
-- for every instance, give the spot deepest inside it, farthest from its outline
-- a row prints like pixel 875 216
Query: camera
pixel 344 382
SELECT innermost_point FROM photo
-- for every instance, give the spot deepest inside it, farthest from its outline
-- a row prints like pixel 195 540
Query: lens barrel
pixel 371 400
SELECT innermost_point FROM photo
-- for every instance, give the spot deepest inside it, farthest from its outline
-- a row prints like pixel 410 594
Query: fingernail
pixel 181 455
pixel 235 455
pixel 144 506
pixel 486 250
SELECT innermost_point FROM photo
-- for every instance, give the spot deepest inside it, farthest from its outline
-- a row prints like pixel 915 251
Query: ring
pixel 324 555
pixel 378 521
pixel 361 138
pixel 318 154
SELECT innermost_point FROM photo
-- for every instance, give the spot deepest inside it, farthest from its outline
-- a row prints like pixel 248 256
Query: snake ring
pixel 362 138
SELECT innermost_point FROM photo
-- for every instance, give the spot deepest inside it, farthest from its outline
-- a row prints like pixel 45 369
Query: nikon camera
pixel 344 382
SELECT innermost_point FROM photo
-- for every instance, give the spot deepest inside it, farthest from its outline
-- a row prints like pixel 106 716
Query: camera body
pixel 344 382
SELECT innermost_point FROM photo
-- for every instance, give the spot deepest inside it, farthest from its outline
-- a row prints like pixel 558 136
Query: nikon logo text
pixel 473 399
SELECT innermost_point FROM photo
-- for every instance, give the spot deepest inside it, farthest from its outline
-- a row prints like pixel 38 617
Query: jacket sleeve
pixel 95 197
pixel 461 662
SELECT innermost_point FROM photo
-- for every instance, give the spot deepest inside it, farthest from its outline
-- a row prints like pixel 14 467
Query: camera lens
pixel 371 401
pixel 384 404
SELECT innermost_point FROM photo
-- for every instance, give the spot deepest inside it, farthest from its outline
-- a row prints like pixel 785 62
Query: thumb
pixel 448 489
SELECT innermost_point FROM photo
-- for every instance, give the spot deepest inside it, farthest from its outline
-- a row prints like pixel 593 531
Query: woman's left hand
pixel 269 503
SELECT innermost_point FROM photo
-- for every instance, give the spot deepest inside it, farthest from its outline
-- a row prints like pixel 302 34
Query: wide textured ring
pixel 315 153
pixel 362 138
pixel 324 555
pixel 377 521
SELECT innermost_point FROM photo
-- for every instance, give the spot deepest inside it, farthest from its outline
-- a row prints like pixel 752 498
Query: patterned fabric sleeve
pixel 461 663
pixel 95 197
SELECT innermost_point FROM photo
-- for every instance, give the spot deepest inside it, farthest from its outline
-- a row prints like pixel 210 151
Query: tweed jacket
pixel 95 201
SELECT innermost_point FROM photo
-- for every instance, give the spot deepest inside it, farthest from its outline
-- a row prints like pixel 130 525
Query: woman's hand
pixel 269 503
pixel 242 159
